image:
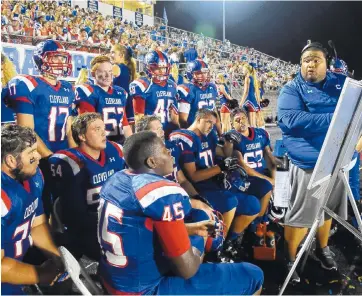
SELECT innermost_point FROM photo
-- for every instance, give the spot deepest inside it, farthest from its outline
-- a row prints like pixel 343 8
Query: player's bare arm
pixel 177 247
pixel 18 273
pixel 42 238
pixel 71 142
pixel 270 160
pixel 200 175
pixel 27 120
pixel 183 119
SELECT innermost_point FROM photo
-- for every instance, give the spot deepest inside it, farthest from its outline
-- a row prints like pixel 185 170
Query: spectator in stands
pixel 94 38
pixel 28 27
pixel 83 36
pixel 16 28
pixel 305 110
pixel 191 54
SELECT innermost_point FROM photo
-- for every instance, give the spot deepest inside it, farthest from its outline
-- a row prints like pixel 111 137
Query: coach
pixel 305 109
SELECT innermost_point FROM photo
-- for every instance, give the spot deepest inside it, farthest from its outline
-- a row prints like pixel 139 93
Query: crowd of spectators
pixel 84 29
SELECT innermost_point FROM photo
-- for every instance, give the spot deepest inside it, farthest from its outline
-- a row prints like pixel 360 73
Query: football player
pixel 79 174
pixel 199 144
pixel 108 100
pixel 23 222
pixel 156 95
pixel 44 103
pixel 197 94
pixel 255 156
pixel 153 123
pixel 202 210
pixel 145 244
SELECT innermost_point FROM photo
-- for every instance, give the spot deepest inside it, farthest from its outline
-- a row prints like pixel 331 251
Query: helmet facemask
pixel 159 72
pixel 55 68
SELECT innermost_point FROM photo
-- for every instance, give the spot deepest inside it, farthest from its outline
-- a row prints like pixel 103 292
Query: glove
pixel 232 104
pixel 232 136
pixel 264 103
pixel 203 199
pixel 229 164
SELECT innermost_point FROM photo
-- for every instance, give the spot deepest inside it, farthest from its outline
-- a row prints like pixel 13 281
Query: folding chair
pixel 74 270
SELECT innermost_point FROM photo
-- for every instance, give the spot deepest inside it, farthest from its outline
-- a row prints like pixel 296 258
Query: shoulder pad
pixel 27 80
pixel 154 189
pixel 183 90
pixel 119 89
pixel 138 86
pixel 85 88
pixel 66 84
pixel 182 136
pixel 70 158
pixel 171 82
pixel 117 146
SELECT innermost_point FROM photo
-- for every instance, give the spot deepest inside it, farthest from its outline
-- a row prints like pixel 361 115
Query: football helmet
pixel 339 66
pixel 45 58
pixel 198 73
pixel 275 214
pixel 236 179
pixel 217 238
pixel 157 66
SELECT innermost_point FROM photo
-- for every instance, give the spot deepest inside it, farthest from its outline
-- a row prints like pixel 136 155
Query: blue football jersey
pixel 198 149
pixel 132 259
pixel 7 114
pixel 252 148
pixel 78 180
pixel 155 99
pixel 176 154
pixel 111 104
pixel 20 204
pixel 50 105
pixel 192 98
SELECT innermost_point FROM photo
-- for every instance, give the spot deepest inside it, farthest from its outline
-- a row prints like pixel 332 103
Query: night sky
pixel 280 29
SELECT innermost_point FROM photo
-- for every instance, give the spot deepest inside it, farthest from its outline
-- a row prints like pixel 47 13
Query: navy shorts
pixel 221 200
pixel 259 187
pixel 216 279
pixel 248 205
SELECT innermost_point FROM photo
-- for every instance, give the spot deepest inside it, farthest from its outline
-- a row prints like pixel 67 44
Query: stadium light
pixel 223 20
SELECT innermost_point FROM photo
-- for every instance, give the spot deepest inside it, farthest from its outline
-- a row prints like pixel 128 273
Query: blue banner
pixel 22 58
pixel 117 12
pixel 93 5
pixel 139 19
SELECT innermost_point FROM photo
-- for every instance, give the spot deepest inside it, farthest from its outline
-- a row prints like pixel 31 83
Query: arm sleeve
pixel 294 117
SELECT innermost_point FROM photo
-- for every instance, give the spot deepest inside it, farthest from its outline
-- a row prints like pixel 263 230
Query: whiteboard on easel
pixel 347 119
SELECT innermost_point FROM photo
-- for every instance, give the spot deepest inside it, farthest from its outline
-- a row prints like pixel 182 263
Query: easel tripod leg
pixel 307 242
